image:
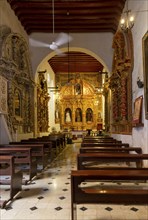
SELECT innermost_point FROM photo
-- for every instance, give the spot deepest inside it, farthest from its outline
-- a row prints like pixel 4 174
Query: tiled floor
pixel 49 197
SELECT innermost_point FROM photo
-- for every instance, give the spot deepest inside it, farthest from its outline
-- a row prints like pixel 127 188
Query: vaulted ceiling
pixel 69 16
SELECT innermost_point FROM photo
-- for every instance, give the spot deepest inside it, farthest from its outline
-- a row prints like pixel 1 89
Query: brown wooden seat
pixel 83 159
pixel 101 140
pixel 22 156
pixel 39 151
pixel 111 149
pixel 81 194
pixel 48 144
pixel 56 142
pixel 95 144
pixel 98 137
pixel 7 168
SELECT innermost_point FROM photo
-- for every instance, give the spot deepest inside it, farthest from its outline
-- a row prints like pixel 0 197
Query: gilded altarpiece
pixel 120 83
pixel 80 105
pixel 42 104
pixel 15 68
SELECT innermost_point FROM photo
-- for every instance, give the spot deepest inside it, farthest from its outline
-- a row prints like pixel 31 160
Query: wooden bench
pixel 101 140
pixel 98 137
pixel 7 168
pixel 81 194
pixel 39 151
pixel 83 159
pixel 47 144
pixel 22 156
pixel 94 144
pixel 56 143
pixel 110 149
pixel 50 146
pixel 59 137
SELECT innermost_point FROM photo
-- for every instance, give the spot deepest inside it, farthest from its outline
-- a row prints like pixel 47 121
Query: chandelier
pixel 127 20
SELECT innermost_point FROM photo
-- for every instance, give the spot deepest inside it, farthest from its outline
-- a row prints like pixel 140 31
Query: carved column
pixel 123 99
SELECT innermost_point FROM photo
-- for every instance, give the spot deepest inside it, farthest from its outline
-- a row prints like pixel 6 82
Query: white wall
pixel 140 135
pixel 98 43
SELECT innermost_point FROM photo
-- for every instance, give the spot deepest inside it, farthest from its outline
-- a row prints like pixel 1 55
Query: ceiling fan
pixel 63 38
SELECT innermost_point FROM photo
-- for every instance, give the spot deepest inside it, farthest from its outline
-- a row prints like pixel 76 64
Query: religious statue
pixel 77 89
pixel 78 115
pixel 89 114
pixel 57 114
pixel 68 116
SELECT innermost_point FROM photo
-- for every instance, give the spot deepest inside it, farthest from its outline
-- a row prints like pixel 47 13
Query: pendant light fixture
pixel 127 19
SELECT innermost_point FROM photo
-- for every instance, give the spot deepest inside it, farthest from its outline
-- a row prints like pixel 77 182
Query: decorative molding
pixel 120 82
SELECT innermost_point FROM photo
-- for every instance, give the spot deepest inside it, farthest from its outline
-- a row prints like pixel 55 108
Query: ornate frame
pixel 145 68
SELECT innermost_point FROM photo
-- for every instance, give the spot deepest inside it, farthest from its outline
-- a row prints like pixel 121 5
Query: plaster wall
pixel 98 43
pixel 140 135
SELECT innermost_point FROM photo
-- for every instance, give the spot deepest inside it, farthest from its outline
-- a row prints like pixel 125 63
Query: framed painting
pixel 145 69
pixel 137 116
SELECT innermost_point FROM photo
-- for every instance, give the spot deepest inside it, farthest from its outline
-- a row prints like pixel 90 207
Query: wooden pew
pixel 60 137
pixel 97 137
pixel 7 168
pixel 49 145
pixel 22 156
pixel 138 150
pixel 81 194
pixel 56 142
pixel 101 140
pixel 93 144
pixel 83 159
pixel 38 151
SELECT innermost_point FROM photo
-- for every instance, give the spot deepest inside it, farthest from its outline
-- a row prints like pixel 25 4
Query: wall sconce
pixel 127 20
pixel 140 83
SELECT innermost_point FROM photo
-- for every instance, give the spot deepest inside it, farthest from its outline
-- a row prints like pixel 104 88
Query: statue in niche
pixel 57 112
pixel 68 115
pixel 43 82
pixel 78 115
pixel 77 89
pixel 89 115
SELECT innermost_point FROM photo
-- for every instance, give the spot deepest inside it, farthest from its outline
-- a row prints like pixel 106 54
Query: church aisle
pixel 49 197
